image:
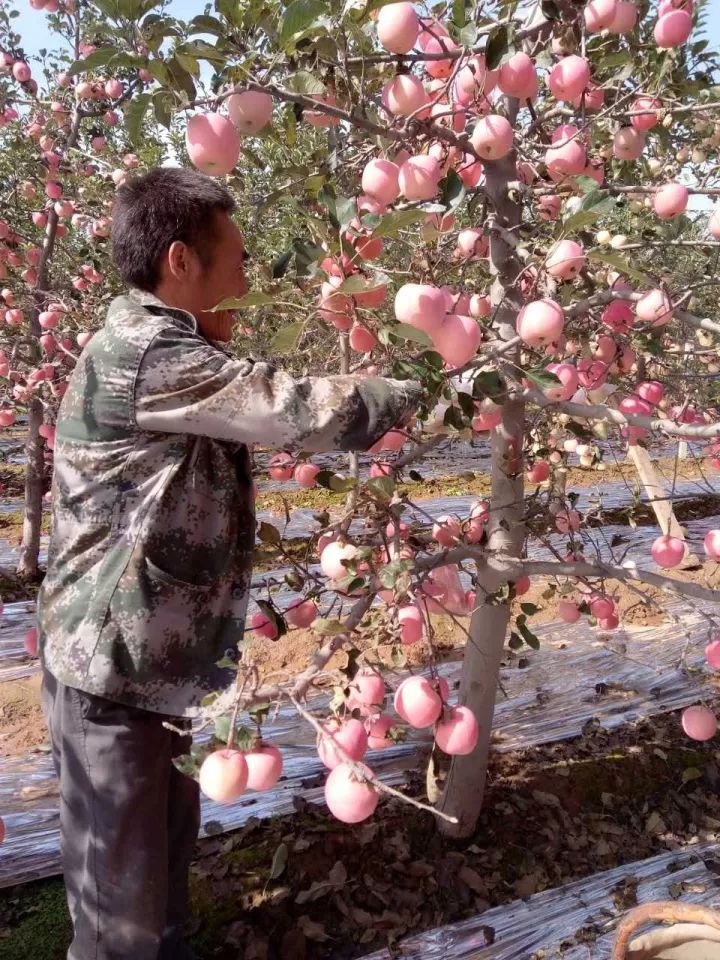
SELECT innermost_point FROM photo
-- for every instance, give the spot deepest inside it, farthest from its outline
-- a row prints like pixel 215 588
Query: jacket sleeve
pixel 185 385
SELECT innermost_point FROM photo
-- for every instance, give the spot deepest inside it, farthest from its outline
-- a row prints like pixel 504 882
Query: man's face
pixel 222 277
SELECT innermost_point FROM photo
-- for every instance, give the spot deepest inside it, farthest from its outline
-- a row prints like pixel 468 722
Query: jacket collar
pixel 156 305
pixel 183 318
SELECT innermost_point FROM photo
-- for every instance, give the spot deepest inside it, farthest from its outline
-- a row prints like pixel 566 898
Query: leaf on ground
pixel 312 929
pixel 279 862
pixel 471 878
pixel 655 823
pixel 338 874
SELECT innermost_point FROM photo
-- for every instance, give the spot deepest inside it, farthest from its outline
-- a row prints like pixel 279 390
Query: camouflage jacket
pixel 153 519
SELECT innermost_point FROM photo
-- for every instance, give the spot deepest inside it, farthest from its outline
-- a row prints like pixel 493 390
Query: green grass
pixel 34 922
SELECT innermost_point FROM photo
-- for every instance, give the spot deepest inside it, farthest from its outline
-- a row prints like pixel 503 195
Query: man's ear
pixel 180 261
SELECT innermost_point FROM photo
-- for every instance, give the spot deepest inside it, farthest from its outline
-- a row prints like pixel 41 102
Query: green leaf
pixel 515 641
pixel 206 24
pixel 542 379
pixel 280 264
pixel 306 254
pixel 458 13
pixel 583 218
pixel 528 636
pixel 201 50
pixel 271 613
pixel 690 774
pixel 382 487
pixel 597 200
pixel 159 69
pixel 134 115
pixel 255 299
pixel 467 405
pixel 342 484
pixel 232 11
pixel 454 418
pixel 407 332
pixel 341 210
pixel 267 533
pixel 376 4
pixel 529 609
pixel 615 260
pixel 286 339
pixel 180 78
pixel 452 190
pixel 357 283
pixel 550 10
pixel 488 383
pixel 163 103
pixel 392 223
pixel 468 35
pixel 98 58
pixel 279 861
pixel 242 303
pixel 328 628
pixel 259 712
pixel 299 15
pixel 305 83
pixel 586 185
pixel 189 63
pixel 227 663
pixel 222 729
pixel 334 481
pixel 497 46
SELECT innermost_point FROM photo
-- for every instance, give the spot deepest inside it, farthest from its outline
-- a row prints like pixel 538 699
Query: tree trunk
pixel 462 779
pixel 27 567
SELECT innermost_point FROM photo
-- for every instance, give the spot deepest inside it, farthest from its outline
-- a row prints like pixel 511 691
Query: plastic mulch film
pixel 620 677
pixel 574 922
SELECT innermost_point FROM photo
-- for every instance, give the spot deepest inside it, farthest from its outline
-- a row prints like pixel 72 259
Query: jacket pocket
pixel 163 578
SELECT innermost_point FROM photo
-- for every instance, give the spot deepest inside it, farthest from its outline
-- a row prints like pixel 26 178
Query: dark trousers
pixel 128 824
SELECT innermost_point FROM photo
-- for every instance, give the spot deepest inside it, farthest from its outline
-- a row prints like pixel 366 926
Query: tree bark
pixel 27 567
pixel 462 780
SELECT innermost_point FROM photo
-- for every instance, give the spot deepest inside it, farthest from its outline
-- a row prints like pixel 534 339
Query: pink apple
pixel 492 137
pixel 699 723
pixel 539 472
pixel 264 766
pixel 711 543
pixel 417 702
pixel 305 473
pixel 301 613
pixel 540 322
pixel 412 624
pixel 213 143
pixel 350 799
pixel 350 736
pixel 667 551
pixel 224 775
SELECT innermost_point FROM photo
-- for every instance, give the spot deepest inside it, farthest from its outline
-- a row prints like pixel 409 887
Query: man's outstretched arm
pixel 186 386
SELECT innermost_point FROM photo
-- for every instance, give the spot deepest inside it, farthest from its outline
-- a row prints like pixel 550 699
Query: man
pixel 150 559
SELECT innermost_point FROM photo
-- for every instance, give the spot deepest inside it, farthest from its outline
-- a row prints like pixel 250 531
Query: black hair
pixel 153 211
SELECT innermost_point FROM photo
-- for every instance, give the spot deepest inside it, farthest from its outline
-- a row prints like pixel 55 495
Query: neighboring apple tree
pixel 506 208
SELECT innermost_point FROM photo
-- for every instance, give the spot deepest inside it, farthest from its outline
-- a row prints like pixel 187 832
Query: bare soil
pixel 22 727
